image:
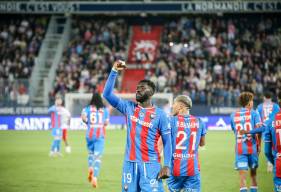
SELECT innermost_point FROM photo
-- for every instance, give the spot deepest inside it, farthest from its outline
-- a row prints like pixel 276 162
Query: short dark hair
pixel 149 83
pixel 245 98
pixel 268 95
pixel 97 100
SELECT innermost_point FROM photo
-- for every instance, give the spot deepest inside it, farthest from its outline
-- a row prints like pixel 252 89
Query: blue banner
pixel 43 122
pixel 164 7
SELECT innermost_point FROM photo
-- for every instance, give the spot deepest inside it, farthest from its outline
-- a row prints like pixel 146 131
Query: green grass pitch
pixel 26 167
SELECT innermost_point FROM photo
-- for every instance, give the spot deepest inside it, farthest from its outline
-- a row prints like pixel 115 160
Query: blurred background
pixel 209 50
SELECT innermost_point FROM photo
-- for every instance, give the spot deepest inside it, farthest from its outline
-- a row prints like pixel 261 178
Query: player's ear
pixel 151 92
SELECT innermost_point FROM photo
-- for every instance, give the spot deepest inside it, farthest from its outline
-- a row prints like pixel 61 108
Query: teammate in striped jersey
pixel 145 124
pixel 188 133
pixel 96 116
pixel 59 117
pixel 246 145
pixel 265 109
pixel 272 142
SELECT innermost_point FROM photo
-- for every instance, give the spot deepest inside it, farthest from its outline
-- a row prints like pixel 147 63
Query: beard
pixel 142 98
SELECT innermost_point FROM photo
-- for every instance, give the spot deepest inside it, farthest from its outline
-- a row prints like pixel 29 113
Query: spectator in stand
pixel 87 60
pixel 231 55
pixel 20 41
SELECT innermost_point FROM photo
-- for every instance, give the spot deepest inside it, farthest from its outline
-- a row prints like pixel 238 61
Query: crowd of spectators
pixel 95 43
pixel 210 58
pixel 213 59
pixel 20 41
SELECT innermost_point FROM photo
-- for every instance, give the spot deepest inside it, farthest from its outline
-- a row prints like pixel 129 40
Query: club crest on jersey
pixel 141 115
pixel 152 116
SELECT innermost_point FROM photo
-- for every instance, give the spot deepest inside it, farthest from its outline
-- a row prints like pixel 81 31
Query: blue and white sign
pixel 43 122
pixel 88 7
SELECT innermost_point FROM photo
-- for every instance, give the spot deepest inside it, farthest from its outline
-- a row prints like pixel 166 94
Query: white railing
pixel 49 80
pixel 40 62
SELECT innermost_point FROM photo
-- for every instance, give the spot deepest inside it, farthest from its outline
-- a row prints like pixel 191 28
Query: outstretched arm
pixel 253 131
pixel 109 86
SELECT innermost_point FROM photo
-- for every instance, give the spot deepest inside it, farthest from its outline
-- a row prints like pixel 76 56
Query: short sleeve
pixel 232 124
pixel 106 114
pixel 259 111
pixel 202 127
pixel 257 118
pixel 84 112
pixel 267 132
pixel 164 124
pixel 51 109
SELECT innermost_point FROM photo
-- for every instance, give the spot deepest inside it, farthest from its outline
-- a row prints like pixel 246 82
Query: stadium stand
pixel 210 58
pixel 20 41
pixel 88 58
pixel 214 58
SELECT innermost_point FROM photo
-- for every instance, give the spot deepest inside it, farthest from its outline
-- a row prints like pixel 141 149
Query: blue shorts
pixel 184 183
pixel 95 146
pixel 57 133
pixel 141 177
pixel 277 184
pixel 245 161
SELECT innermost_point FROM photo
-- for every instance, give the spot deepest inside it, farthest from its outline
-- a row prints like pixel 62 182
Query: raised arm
pixel 108 93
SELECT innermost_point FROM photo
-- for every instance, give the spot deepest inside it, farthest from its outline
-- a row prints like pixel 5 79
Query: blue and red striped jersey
pixel 186 132
pixel 58 114
pixel 96 121
pixel 144 127
pixel 273 135
pixel 267 108
pixel 245 119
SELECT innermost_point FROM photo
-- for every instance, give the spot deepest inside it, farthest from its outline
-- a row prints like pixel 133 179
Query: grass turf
pixel 25 165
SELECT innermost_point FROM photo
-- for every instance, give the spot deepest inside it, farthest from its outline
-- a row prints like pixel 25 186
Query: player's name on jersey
pixel 242 118
pixel 143 123
pixel 188 125
pixel 183 155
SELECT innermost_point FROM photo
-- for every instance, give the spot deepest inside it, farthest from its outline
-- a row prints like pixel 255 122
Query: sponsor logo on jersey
pixel 183 156
pixel 153 184
pixel 125 187
pixel 242 118
pixel 143 123
pixel 191 190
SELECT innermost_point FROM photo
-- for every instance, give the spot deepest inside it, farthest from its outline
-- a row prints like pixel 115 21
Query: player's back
pixel 266 108
pixel 186 133
pixel 245 119
pixel 57 115
pixel 273 135
pixel 274 129
pixel 96 120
